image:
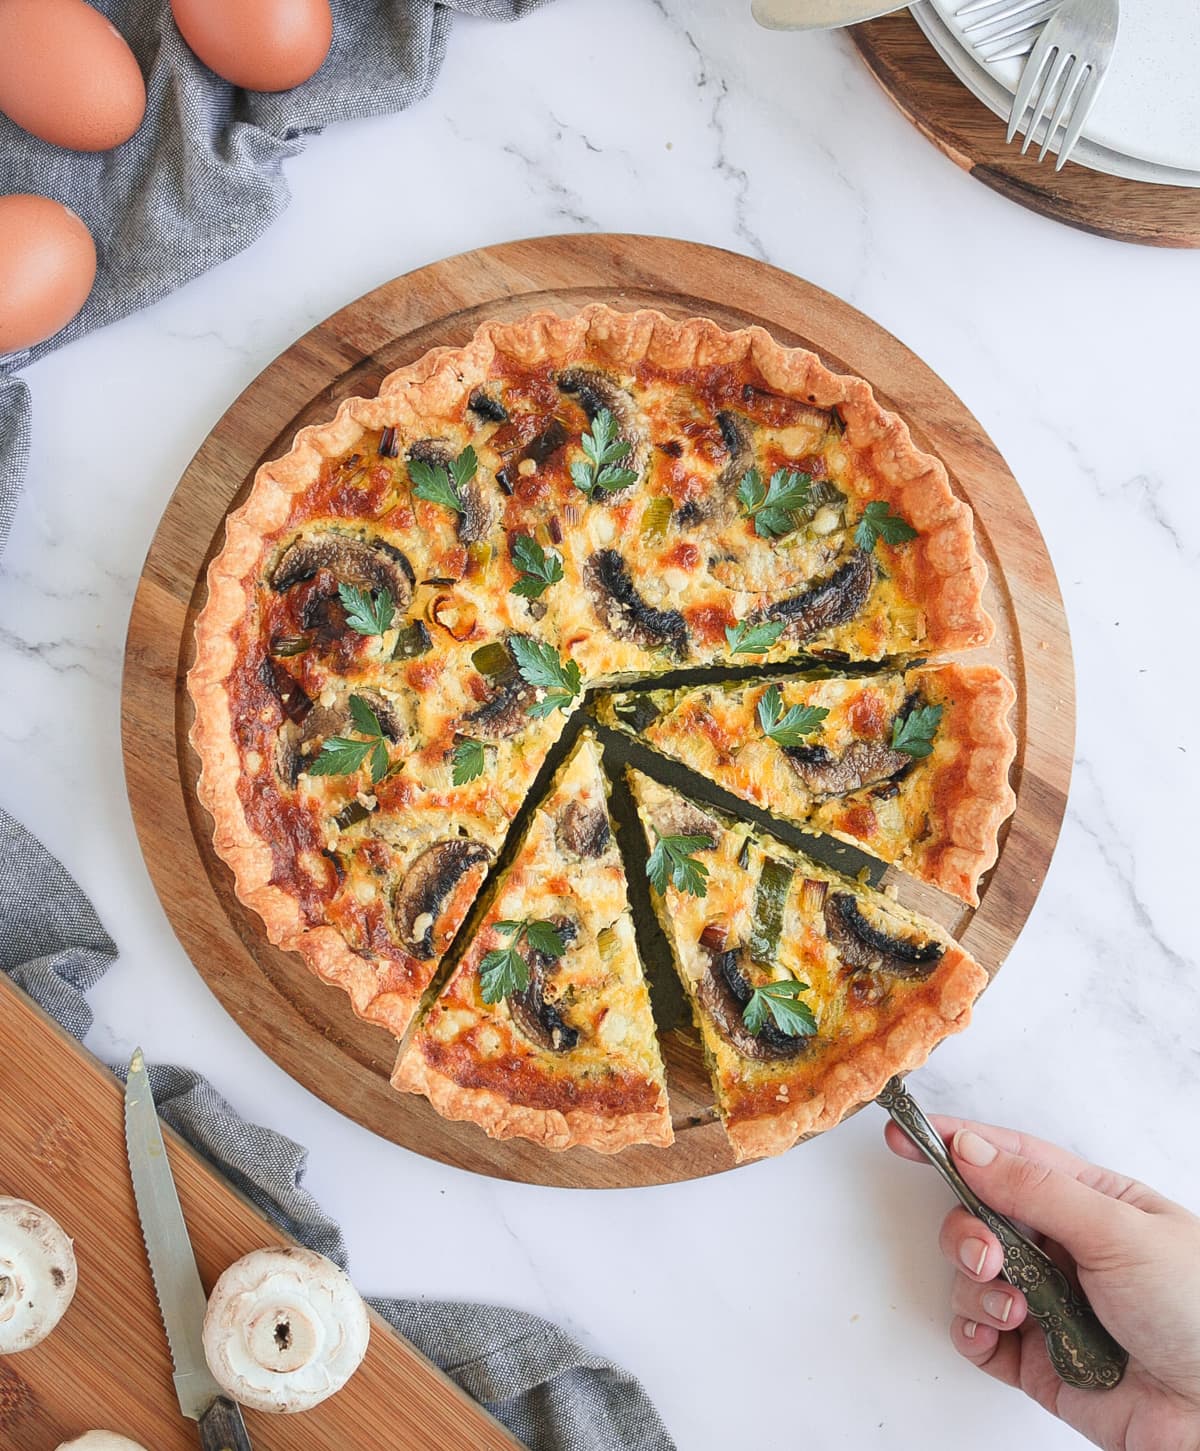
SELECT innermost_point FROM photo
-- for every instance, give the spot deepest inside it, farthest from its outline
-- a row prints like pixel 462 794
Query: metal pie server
pixel 181 1297
pixel 1080 1349
pixel 819 14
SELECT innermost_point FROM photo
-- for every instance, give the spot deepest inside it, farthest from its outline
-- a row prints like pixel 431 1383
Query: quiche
pixel 544 1029
pixel 411 602
pixel 912 766
pixel 809 990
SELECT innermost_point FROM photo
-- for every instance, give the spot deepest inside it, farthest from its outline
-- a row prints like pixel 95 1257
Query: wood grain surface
pixel 933 98
pixel 307 1027
pixel 107 1364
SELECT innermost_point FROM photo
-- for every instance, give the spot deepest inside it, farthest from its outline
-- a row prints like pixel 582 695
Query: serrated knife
pixel 181 1297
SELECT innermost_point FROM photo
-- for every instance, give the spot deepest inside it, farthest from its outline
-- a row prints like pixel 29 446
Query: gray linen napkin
pixel 202 177
pixel 551 1392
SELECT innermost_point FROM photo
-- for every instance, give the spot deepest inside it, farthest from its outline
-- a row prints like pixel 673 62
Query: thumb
pixel 1051 1200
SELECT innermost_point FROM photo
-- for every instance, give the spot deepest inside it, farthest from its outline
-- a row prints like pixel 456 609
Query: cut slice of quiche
pixel 809 990
pixel 544 1030
pixel 910 766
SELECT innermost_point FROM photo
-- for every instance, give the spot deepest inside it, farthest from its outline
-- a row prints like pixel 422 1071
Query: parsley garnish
pixel 744 639
pixel 780 1001
pixel 878 522
pixel 540 666
pixel 369 614
pixel 444 483
pixel 772 508
pixel 787 729
pixel 672 860
pixel 539 570
pixel 504 970
pixel 913 734
pixel 604 452
pixel 341 756
pixel 468 761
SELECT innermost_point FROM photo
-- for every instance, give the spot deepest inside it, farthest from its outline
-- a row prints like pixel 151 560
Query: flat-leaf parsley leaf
pixel 878 522
pixel 604 450
pixel 672 861
pixel 787 728
pixel 468 761
pixel 443 483
pixel 342 755
pixel 745 639
pixel 540 666
pixel 504 970
pixel 539 569
pixel 781 1002
pixel 773 508
pixel 913 734
pixel 368 613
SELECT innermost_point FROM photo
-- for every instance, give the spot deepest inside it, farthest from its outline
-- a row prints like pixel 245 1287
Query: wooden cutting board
pixel 924 87
pixel 107 1365
pixel 307 1027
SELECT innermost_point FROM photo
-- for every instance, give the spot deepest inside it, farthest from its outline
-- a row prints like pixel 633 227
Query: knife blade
pixel 181 1297
pixel 819 14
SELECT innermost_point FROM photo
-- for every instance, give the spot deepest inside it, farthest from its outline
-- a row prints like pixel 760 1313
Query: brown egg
pixel 47 267
pixel 261 45
pixel 67 76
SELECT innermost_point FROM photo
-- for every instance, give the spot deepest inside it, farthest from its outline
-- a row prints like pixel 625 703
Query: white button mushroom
pixel 37 1275
pixel 101 1441
pixel 285 1328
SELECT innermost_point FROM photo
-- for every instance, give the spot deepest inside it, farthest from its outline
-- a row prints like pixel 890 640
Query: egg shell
pixel 261 45
pixel 47 267
pixel 67 76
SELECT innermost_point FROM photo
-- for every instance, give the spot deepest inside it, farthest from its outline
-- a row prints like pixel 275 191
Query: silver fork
pixel 1065 69
pixel 1005 29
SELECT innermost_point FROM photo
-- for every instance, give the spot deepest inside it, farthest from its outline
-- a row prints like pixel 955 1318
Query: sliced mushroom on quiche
pixel 544 1029
pixel 809 990
pixel 912 766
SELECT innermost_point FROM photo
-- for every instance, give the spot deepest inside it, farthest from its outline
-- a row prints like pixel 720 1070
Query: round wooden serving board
pixel 933 98
pixel 307 1027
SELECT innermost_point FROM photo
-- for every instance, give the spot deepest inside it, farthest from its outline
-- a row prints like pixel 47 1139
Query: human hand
pixel 1135 1254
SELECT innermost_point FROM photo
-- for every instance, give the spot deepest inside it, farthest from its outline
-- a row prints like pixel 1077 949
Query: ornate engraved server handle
pixel 1080 1349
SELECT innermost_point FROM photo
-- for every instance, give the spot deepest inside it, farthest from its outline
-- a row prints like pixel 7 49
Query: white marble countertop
pixel 1077 354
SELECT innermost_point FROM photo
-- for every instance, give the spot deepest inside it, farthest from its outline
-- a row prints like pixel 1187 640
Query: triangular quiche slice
pixel 911 766
pixel 809 990
pixel 544 1029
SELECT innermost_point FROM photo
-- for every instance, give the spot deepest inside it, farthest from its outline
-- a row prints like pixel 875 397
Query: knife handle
pixel 222 1428
pixel 1080 1349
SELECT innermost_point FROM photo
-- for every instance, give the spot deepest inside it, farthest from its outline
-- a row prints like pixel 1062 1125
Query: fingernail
pixel 972 1149
pixel 973 1252
pixel 998 1305
pixel 969 1329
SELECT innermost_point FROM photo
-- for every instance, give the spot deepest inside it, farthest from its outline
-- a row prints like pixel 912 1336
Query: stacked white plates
pixel 1145 124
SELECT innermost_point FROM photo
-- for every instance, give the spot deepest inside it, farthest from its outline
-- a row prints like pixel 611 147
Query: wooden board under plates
pixel 308 1028
pixel 933 98
pixel 107 1365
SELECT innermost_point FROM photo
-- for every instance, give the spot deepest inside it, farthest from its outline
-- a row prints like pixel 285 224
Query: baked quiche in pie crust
pixel 413 600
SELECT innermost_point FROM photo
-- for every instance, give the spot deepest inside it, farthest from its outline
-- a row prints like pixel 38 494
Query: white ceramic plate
pixel 986 84
pixel 1149 105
